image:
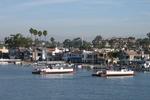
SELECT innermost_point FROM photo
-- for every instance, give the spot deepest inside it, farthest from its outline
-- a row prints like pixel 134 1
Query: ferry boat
pixel 122 72
pixel 53 70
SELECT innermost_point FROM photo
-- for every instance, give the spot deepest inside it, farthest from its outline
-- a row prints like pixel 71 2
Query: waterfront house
pixel 89 57
pixel 55 53
pixel 145 55
pixel 36 54
pixel 133 55
pixel 74 57
pixel 4 52
pixel 128 56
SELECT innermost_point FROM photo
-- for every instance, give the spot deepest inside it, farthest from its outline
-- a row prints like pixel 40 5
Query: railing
pixel 51 62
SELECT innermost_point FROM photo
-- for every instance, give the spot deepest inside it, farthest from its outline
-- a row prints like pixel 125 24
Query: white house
pixel 56 50
pixel 4 50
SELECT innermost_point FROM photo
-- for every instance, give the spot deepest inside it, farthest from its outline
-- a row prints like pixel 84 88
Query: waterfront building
pixel 54 53
pixel 36 54
pixel 4 50
pixel 133 55
pixel 74 57
pixel 88 56
pixel 4 53
pixel 93 57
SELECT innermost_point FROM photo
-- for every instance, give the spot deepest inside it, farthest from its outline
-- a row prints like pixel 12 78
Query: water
pixel 17 83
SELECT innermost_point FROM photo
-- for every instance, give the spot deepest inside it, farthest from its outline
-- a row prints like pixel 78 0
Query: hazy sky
pixel 72 18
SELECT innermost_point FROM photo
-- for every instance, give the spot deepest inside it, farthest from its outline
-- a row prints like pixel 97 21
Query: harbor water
pixel 18 83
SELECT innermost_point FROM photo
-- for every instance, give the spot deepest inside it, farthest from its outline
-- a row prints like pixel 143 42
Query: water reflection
pixel 53 76
pixel 119 77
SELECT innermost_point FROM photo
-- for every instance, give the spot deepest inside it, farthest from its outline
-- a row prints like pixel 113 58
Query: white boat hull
pixel 119 73
pixel 114 73
pixel 53 71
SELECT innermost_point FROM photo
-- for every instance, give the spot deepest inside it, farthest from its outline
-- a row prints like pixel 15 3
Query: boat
pixel 122 72
pixel 53 70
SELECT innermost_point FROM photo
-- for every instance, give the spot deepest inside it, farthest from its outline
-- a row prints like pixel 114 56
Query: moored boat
pixel 53 70
pixel 122 72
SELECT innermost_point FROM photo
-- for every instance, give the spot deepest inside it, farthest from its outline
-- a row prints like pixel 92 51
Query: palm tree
pixel 45 33
pixel 31 31
pixel 35 33
pixel 40 34
pixel 52 41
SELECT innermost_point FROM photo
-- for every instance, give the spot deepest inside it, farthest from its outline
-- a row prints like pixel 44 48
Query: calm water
pixel 17 83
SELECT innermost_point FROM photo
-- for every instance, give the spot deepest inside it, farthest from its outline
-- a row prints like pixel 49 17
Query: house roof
pixel 50 49
pixel 132 52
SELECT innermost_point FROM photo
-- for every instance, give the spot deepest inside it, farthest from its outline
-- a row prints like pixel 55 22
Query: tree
pixel 77 42
pixel 31 31
pixel 113 55
pixel 52 39
pixel 18 40
pixel 9 42
pixel 52 42
pixel 67 43
pixel 97 41
pixel 143 42
pixel 148 35
pixel 45 33
pixel 40 34
pixel 35 33
pixel 86 45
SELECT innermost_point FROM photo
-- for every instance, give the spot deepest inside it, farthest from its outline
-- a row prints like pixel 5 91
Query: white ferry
pixel 53 70
pixel 122 72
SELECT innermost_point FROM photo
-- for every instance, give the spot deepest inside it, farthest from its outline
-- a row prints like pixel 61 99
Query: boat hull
pixel 114 73
pixel 40 72
pixel 53 71
pixel 119 73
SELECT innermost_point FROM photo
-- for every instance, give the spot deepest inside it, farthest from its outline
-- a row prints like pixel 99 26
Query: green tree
pixel 144 42
pixel 148 35
pixel 35 33
pixel 86 45
pixel 18 40
pixel 77 42
pixel 31 31
pixel 45 33
pixel 40 34
pixel 53 43
pixel 97 42
pixel 52 39
pixel 67 43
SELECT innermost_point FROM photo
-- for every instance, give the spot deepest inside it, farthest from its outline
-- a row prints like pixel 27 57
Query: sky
pixel 76 18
